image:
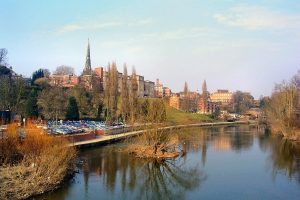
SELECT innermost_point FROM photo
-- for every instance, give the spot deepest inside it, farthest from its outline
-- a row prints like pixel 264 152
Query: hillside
pixel 175 116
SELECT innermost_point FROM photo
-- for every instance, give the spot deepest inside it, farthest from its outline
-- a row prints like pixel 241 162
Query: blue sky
pixel 236 45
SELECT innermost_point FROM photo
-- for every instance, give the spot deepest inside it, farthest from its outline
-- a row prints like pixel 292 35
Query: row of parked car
pixel 72 127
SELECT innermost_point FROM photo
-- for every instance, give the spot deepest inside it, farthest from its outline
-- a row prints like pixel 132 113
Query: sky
pixel 236 45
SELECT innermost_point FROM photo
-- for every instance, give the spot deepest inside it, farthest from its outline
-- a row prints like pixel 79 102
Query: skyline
pixel 235 45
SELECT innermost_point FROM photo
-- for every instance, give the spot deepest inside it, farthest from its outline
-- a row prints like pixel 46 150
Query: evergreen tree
pixel 99 111
pixel 31 107
pixel 72 109
pixel 36 75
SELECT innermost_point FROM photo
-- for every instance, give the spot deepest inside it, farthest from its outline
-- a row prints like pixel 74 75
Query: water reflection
pixel 284 155
pixel 146 179
pixel 168 180
pixel 110 174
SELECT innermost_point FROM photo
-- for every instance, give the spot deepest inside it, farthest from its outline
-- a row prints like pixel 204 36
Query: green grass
pixel 175 116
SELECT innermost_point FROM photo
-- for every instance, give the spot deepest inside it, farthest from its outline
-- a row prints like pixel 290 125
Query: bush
pixel 33 164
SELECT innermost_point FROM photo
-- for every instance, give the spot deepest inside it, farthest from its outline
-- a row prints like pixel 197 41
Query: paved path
pixel 112 138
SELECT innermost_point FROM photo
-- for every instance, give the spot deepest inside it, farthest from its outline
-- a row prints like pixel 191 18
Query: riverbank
pixel 106 139
pixel 34 165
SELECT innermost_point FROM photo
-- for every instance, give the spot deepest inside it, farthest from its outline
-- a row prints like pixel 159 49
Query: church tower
pixel 88 68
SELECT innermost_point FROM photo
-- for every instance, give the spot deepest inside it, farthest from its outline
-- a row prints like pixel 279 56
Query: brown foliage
pixel 34 164
pixel 283 109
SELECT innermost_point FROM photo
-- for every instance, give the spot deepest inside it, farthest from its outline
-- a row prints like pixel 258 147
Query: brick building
pixel 167 92
pixel 66 81
pixel 149 89
pixel 207 107
pixel 158 89
pixel 175 101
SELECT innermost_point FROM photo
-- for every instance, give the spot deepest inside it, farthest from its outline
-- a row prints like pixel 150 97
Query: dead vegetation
pixel 32 164
pixel 155 143
pixel 283 109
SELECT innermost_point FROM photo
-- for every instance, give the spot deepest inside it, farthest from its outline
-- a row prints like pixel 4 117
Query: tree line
pixel 116 102
pixel 282 109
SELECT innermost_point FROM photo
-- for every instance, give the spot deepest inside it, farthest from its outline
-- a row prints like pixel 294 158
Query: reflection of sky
pixel 245 174
pixel 244 171
pixel 225 42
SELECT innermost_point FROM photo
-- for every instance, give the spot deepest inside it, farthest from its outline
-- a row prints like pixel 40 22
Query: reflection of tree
pixel 164 180
pixel 242 137
pixel 146 179
pixel 284 155
pixel 167 179
pixel 223 138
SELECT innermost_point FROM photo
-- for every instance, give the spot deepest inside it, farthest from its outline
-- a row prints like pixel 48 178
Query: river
pixel 232 162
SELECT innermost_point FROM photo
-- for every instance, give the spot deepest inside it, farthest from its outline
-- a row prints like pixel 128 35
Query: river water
pixel 236 162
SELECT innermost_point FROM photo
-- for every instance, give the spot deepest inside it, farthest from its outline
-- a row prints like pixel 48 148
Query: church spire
pixel 204 87
pixel 88 69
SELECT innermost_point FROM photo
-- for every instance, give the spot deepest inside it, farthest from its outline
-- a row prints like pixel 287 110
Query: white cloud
pixel 178 34
pixel 254 17
pixel 86 26
pixel 100 25
pixel 141 22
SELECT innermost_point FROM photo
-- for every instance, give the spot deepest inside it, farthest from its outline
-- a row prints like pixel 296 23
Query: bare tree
pixel 52 103
pixel 64 70
pixel 46 73
pixel 12 93
pixel 133 98
pixel 283 111
pixel 125 95
pixel 242 102
pixel 111 93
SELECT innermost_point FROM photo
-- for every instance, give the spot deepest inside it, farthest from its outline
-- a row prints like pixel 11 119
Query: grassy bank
pixel 175 117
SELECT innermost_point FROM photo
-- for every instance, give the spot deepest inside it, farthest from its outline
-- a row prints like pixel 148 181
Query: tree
pixel 111 93
pixel 242 102
pixel 84 100
pixel 6 93
pixel 216 113
pixel 125 95
pixel 72 109
pixel 283 109
pixel 36 75
pixel 19 94
pixel 133 98
pixel 4 71
pixel 64 70
pixel 46 72
pixel 13 87
pixel 31 107
pixel 52 103
pixel 144 109
pixel 157 111
pixel 186 98
pixel 99 111
pixel 263 102
pixel 12 93
pixel 42 83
